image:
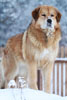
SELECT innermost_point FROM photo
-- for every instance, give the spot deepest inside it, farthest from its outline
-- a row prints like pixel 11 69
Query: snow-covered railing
pixel 61 60
pixel 59 77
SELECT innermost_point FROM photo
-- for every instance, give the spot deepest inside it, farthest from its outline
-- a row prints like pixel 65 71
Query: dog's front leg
pixel 47 77
pixel 32 76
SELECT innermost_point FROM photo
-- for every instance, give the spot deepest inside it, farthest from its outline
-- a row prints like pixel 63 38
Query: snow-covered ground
pixel 24 93
pixel 27 94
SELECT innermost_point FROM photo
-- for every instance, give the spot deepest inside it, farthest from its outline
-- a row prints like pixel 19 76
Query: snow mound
pixel 27 94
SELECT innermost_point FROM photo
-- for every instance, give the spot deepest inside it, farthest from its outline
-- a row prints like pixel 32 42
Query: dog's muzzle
pixel 49 22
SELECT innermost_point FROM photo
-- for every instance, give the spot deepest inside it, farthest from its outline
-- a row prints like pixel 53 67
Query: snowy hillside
pixel 27 94
pixel 15 16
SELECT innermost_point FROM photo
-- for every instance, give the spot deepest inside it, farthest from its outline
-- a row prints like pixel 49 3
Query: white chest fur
pixel 44 53
pixel 48 53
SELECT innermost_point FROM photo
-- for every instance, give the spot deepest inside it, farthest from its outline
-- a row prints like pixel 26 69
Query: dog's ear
pixel 35 13
pixel 58 17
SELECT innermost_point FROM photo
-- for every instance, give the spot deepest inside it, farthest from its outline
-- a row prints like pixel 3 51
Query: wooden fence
pixel 59 74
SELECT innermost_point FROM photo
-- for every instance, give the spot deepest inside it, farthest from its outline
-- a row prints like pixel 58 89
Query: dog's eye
pixel 52 15
pixel 44 15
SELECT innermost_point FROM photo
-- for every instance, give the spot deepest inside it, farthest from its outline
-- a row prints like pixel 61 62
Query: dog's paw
pixel 12 84
pixel 21 82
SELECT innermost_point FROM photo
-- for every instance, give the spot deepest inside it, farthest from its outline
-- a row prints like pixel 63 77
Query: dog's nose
pixel 49 21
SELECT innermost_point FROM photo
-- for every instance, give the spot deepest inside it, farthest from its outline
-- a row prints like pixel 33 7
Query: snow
pixel 27 94
pixel 61 59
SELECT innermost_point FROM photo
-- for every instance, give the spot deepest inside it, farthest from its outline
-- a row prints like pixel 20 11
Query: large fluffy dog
pixel 36 48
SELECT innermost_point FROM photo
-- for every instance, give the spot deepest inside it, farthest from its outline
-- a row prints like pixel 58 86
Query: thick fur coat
pixel 36 48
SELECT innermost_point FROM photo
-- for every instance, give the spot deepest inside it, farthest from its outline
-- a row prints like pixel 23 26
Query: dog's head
pixel 46 17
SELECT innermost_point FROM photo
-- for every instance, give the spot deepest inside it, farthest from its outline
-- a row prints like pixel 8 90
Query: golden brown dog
pixel 36 48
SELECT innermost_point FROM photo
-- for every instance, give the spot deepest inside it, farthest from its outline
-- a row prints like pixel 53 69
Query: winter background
pixel 15 16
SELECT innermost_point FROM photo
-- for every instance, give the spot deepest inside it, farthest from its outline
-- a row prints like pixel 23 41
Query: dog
pixel 36 48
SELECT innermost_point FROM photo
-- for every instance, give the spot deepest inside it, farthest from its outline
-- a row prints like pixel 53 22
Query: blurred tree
pixel 15 16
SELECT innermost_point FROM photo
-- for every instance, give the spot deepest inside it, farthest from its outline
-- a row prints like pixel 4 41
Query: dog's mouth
pixel 49 25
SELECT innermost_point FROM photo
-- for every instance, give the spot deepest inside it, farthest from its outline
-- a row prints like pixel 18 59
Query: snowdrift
pixel 27 94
